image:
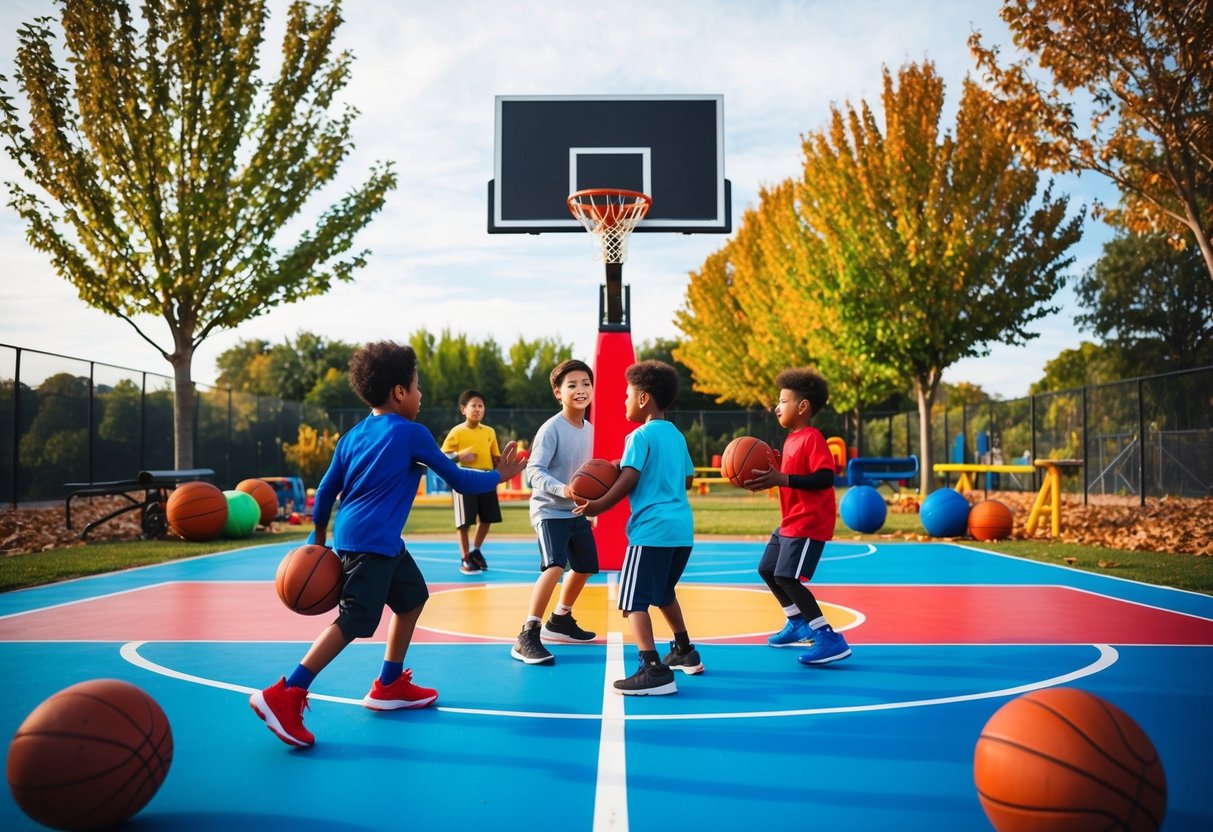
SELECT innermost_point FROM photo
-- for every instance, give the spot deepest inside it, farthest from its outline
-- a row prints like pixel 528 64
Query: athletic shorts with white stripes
pixel 567 542
pixel 791 557
pixel 649 576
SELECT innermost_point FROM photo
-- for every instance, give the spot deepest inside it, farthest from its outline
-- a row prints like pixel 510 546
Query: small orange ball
pixel 990 520
pixel 264 494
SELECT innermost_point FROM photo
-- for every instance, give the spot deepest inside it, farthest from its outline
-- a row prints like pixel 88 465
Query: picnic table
pixel 155 486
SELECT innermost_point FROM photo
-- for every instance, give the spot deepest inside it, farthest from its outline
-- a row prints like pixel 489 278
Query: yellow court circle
pixel 711 612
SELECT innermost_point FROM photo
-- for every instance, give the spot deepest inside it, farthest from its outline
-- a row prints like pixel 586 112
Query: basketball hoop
pixel 610 214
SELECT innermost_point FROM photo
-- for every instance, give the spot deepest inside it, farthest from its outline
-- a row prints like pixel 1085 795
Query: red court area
pixel 250 611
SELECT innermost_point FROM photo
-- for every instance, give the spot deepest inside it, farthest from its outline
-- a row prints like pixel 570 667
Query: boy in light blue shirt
pixel 656 471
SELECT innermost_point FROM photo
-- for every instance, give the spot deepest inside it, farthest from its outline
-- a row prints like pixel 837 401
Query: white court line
pixel 1107 657
pixel 611 790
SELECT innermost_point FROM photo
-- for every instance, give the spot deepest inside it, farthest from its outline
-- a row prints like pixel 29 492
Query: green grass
pixel 732 514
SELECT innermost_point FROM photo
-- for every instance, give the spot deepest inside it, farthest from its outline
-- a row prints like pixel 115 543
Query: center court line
pixel 611 790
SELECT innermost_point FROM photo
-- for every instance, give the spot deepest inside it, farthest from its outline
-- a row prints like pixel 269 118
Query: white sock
pixel 531 618
pixel 561 609
pixel 790 610
pixel 818 623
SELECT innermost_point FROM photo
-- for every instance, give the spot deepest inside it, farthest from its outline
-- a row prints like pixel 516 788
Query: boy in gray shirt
pixel 566 541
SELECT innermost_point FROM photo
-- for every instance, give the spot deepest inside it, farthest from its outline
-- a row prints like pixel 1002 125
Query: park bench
pixel 155 486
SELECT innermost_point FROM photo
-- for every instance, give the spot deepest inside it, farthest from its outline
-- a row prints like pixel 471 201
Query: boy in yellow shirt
pixel 473 444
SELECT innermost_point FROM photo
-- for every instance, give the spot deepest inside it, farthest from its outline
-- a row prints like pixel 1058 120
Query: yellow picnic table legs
pixel 1050 490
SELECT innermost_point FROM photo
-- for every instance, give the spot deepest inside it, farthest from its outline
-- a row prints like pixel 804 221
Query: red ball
pixel 90 756
pixel 264 494
pixel 593 479
pixel 743 456
pixel 196 511
pixel 309 579
pixel 990 520
pixel 1060 759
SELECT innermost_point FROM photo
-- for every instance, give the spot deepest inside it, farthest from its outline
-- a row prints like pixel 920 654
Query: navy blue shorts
pixel 469 508
pixel 649 576
pixel 791 557
pixel 373 581
pixel 569 544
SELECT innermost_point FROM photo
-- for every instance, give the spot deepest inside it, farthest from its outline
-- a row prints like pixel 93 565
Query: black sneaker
pixel 648 680
pixel 529 648
pixel 478 559
pixel 687 662
pixel 564 628
pixel 468 567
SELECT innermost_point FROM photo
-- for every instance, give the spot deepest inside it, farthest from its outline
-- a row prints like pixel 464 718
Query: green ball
pixel 243 513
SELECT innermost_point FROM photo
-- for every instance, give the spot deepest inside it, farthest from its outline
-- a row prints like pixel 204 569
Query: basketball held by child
pixel 309 579
pixel 264 494
pixel 90 756
pixel 1063 758
pixel 990 520
pixel 196 511
pixel 743 457
pixel 593 479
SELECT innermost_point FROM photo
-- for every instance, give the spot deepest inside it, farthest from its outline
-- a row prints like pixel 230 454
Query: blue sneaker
pixel 828 646
pixel 796 633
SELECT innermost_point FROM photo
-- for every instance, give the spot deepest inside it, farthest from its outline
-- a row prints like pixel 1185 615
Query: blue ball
pixel 863 509
pixel 945 513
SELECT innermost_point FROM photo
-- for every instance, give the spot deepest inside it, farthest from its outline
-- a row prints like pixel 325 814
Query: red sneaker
pixel 401 693
pixel 282 709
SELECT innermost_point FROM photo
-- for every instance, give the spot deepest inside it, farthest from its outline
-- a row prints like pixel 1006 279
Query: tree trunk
pixel 183 406
pixel 926 400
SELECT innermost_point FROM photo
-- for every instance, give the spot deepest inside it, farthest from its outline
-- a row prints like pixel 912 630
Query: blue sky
pixel 424 80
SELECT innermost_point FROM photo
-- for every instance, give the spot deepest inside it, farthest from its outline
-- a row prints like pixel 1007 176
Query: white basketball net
pixel 610 216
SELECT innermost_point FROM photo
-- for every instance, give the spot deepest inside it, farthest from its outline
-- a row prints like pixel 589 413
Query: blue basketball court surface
pixel 942 634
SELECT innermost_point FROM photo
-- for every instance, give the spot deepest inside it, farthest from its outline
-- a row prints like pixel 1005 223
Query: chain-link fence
pixel 72 420
pixel 66 419
pixel 1139 438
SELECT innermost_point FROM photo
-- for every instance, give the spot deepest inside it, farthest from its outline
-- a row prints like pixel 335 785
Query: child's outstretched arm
pixel 628 477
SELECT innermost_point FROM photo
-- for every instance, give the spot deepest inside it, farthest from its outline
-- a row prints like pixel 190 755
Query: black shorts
pixel 569 544
pixel 373 581
pixel 469 508
pixel 791 557
pixel 649 576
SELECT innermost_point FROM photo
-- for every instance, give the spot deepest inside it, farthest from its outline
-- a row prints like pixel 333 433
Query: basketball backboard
pixel 670 147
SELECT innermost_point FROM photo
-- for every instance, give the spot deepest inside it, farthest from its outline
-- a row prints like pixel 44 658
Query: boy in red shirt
pixel 805 478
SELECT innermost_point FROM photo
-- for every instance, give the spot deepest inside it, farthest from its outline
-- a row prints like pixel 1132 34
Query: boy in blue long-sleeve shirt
pixel 375 469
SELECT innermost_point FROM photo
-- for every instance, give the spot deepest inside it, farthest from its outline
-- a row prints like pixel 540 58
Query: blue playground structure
pixel 880 470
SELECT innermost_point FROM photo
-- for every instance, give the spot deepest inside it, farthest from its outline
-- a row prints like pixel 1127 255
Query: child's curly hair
pixel 806 383
pixel 656 378
pixel 378 367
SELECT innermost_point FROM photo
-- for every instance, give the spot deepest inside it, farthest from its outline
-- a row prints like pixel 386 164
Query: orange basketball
pixel 90 756
pixel 196 511
pixel 1061 759
pixel 264 494
pixel 990 520
pixel 309 579
pixel 593 479
pixel 743 456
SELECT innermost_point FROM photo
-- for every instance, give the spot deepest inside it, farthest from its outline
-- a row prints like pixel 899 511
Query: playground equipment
pixel 1050 489
pixel 292 498
pixel 155 486
pixel 881 470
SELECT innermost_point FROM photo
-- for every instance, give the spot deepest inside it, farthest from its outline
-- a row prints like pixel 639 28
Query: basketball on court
pixel 743 456
pixel 309 579
pixel 1063 758
pixel 90 756
pixel 196 511
pixel 944 513
pixel 990 520
pixel 264 494
pixel 593 479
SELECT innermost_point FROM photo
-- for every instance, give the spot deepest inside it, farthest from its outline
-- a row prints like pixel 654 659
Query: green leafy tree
pixel 1151 302
pixel 1085 365
pixel 174 168
pixel 1146 67
pixel 937 243
pixel 245 368
pixel 528 371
